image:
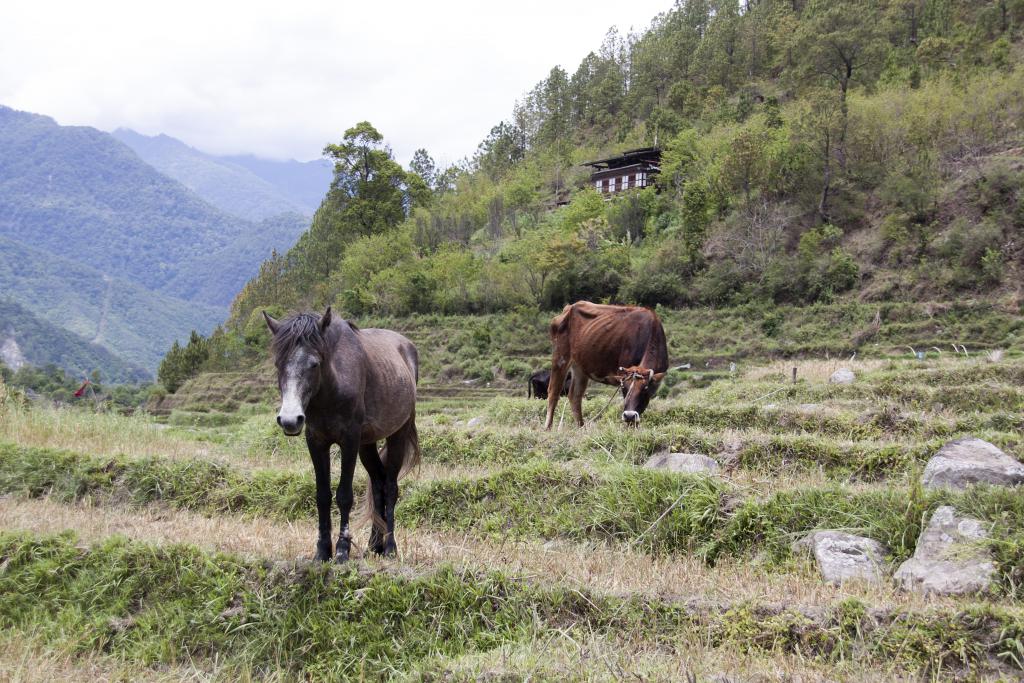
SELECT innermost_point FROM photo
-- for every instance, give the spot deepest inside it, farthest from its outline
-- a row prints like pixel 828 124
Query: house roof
pixel 627 157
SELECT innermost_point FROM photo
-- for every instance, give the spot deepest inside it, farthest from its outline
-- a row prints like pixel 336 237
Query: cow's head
pixel 638 385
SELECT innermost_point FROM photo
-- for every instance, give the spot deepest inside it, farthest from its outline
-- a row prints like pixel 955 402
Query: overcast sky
pixel 281 79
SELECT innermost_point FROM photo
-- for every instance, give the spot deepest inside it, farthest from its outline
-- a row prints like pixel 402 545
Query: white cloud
pixel 282 79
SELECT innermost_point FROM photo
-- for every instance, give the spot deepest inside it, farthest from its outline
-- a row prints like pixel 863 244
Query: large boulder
pixel 690 463
pixel 842 556
pixel 950 559
pixel 970 460
pixel 842 376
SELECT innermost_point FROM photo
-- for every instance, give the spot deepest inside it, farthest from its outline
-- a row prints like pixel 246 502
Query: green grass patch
pixel 169 605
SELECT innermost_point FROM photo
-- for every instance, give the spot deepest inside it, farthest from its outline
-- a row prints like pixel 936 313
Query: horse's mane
pixel 301 329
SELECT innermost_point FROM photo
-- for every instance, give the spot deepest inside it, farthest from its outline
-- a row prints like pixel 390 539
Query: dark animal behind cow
pixel 353 388
pixel 538 384
pixel 622 346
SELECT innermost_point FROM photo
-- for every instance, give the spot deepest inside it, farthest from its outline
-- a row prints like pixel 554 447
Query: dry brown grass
pixel 586 566
pixel 24 659
pixel 109 434
pixel 816 371
pixel 568 655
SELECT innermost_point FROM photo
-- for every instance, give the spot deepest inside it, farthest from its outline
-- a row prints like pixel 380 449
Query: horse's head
pixel 299 348
pixel 638 385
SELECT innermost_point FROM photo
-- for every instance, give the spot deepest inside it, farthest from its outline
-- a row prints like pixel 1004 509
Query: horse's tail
pixel 408 441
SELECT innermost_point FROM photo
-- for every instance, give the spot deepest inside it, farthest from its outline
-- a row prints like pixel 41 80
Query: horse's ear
pixel 272 324
pixel 325 320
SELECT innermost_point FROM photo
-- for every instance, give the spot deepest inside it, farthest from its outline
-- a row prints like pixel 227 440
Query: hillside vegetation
pixel 129 321
pixel 26 339
pixel 78 193
pixel 813 151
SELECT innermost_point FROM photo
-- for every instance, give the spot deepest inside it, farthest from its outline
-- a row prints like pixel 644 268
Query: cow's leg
pixel 559 368
pixel 576 391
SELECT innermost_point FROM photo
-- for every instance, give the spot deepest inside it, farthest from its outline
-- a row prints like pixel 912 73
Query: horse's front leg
pixel 320 453
pixel 344 496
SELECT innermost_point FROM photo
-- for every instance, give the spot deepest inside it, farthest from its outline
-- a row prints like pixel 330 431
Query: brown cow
pixel 619 345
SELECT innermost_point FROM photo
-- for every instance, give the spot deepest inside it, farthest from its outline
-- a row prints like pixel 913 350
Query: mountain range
pixel 100 236
pixel 243 186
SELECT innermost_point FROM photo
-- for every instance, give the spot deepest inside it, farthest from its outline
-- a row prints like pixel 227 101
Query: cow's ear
pixel 658 376
pixel 325 320
pixel 272 324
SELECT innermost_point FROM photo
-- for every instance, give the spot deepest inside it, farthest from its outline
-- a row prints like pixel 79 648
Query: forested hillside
pixel 812 150
pixel 96 241
pixel 230 186
pixel 80 194
pixel 131 322
pixel 27 340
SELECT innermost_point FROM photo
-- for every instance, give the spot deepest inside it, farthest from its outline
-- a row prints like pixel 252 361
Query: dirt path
pixel 101 326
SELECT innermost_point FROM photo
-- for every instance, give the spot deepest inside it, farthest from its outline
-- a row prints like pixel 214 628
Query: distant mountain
pixel 78 193
pixel 305 182
pixel 126 319
pixel 27 339
pixel 255 189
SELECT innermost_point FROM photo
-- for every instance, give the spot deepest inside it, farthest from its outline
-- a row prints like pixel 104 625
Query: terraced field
pixel 138 549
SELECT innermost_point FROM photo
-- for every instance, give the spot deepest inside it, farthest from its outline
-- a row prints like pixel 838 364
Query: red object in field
pixel 81 389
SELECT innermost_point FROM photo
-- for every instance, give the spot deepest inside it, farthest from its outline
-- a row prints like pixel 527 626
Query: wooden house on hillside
pixel 629 170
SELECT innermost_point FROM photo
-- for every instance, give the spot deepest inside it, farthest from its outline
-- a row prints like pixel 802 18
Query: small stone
pixel 842 376
pixel 970 460
pixel 691 463
pixel 842 556
pixel 949 559
pixel 475 422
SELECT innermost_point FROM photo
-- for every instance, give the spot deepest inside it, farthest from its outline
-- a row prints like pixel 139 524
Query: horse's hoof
pixel 389 550
pixel 323 552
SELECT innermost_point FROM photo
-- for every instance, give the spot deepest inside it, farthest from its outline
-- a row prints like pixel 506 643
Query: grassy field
pixel 176 547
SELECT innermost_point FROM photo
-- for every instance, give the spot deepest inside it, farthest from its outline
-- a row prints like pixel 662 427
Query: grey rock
pixel 475 422
pixel 842 556
pixel 842 376
pixel 692 463
pixel 970 460
pixel 950 558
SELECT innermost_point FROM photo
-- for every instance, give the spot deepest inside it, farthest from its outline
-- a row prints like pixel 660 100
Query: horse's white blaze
pixel 291 392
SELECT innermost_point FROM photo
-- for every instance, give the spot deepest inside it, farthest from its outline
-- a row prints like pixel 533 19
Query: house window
pixel 632 179
pixel 597 185
pixel 604 185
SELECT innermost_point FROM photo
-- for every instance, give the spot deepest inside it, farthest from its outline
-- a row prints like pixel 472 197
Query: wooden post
pixel 794 374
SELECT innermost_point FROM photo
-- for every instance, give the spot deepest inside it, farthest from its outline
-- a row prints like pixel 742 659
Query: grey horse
pixel 353 388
